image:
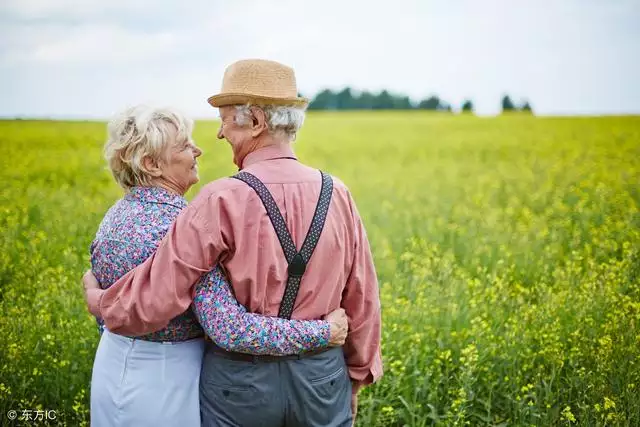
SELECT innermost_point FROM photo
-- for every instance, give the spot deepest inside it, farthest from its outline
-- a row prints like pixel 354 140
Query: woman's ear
pixel 258 121
pixel 151 166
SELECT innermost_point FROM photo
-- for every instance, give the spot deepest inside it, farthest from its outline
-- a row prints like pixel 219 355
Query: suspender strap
pixel 297 260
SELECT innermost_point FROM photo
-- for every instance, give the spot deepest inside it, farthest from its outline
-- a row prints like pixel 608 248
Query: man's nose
pixel 220 134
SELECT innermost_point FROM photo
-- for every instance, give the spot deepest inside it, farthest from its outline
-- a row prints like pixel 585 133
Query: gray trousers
pixel 312 391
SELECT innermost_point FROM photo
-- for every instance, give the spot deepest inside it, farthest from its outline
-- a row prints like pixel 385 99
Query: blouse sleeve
pixel 112 259
pixel 231 327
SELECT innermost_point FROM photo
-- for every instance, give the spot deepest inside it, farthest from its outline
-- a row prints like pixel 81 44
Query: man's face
pixel 239 137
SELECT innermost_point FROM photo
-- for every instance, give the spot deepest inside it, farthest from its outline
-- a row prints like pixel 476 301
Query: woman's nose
pixel 197 152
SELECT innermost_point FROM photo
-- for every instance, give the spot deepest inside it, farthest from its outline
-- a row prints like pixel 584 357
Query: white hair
pixel 140 132
pixel 281 119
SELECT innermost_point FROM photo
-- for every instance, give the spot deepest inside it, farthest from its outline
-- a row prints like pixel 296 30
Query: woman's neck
pixel 169 186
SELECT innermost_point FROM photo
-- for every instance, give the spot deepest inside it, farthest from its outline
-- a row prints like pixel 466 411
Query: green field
pixel 507 249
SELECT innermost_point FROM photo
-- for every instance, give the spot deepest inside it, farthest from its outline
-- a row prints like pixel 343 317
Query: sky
pixel 91 59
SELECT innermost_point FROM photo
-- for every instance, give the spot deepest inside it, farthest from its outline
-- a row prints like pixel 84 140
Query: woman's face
pixel 180 165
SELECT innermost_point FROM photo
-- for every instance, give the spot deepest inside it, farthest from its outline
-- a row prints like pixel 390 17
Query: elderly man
pixel 292 244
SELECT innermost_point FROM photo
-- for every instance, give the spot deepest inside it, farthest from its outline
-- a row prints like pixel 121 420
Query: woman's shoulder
pixel 132 219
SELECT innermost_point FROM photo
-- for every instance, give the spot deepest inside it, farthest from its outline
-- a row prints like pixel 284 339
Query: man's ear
pixel 258 121
pixel 151 166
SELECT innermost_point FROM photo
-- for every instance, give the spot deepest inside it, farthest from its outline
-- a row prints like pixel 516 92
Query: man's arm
pixel 361 301
pixel 149 296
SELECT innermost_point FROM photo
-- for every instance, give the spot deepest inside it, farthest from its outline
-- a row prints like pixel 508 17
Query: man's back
pixel 340 272
pixel 257 267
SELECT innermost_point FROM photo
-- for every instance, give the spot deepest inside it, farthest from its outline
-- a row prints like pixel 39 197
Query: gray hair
pixel 140 132
pixel 281 119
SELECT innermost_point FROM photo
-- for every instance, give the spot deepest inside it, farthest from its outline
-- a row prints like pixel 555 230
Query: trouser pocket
pixel 320 391
pixel 238 393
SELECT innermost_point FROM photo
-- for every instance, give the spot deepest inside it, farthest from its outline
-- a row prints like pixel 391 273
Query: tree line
pixel 347 100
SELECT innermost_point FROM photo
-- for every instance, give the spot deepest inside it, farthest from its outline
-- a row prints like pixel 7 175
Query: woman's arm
pixel 112 259
pixel 231 327
pixel 108 264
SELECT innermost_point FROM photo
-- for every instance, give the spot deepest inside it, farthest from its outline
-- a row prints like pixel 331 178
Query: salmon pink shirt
pixel 226 223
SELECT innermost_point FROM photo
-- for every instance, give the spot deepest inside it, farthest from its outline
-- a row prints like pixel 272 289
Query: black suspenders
pixel 297 260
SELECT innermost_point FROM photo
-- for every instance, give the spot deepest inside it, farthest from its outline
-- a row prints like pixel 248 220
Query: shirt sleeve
pixel 146 298
pixel 110 260
pixel 231 327
pixel 361 301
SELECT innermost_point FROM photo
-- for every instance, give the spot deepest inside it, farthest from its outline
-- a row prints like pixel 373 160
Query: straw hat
pixel 258 81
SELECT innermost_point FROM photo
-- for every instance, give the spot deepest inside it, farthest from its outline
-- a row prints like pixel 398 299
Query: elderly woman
pixel 152 380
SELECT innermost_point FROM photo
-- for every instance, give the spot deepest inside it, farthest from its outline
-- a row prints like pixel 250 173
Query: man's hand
pixel 92 292
pixel 89 281
pixel 339 326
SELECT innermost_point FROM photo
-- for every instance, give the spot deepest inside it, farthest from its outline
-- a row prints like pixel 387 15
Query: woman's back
pixel 129 233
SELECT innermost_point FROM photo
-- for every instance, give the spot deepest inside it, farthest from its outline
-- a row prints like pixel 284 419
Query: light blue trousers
pixel 142 383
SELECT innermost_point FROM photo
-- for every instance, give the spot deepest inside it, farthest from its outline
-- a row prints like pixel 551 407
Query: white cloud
pixel 73 10
pixel 87 45
pixel 572 56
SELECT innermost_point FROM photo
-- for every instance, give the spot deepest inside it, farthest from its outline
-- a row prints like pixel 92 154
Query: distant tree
pixel 526 108
pixel 467 106
pixel 431 103
pixel 443 106
pixel 325 100
pixel 365 101
pixel 383 101
pixel 507 104
pixel 402 103
pixel 344 100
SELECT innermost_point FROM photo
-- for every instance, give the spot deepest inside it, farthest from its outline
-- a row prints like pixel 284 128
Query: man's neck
pixel 269 140
pixel 261 143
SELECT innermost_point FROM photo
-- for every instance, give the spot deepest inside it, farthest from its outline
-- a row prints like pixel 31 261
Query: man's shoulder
pixel 220 185
pixel 221 188
pixel 338 183
pixel 312 172
pixel 227 187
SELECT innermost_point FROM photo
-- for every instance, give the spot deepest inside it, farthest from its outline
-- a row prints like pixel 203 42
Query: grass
pixel 507 250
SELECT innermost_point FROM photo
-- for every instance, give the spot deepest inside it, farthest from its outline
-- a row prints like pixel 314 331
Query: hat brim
pixel 224 99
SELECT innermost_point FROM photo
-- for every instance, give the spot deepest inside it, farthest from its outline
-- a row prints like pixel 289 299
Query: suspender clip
pixel 297 266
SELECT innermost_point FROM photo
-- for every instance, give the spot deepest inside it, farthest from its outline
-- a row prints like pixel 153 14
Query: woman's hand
pixel 339 325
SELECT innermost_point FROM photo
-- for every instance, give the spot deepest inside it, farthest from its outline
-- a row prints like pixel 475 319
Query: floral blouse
pixel 131 231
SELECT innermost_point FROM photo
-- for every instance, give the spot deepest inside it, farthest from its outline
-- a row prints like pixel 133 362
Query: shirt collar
pixel 157 195
pixel 268 153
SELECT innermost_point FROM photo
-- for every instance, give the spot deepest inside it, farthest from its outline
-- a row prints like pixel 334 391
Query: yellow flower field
pixel 507 250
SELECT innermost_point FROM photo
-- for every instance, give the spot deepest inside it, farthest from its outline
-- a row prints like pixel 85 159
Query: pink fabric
pixel 227 223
